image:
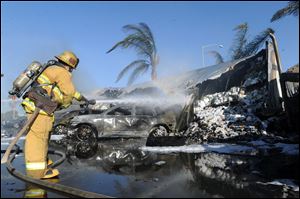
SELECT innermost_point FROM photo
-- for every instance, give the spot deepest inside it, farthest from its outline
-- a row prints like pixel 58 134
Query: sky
pixel 40 30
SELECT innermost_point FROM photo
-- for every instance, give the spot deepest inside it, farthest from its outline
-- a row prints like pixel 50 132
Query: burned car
pixel 11 127
pixel 124 120
pixel 63 117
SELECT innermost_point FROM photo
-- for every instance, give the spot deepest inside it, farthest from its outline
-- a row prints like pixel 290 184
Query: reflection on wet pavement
pixel 117 167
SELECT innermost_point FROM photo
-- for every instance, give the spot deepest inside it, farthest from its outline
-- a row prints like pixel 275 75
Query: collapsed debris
pixel 226 115
pixel 236 105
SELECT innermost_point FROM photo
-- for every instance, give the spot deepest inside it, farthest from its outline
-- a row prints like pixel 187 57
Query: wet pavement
pixel 123 168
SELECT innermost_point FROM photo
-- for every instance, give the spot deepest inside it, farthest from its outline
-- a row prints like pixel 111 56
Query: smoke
pixel 83 81
pixel 155 93
pixel 164 92
pixel 170 86
pixel 160 93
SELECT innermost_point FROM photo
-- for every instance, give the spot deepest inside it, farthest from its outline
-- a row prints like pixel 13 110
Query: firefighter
pixel 56 82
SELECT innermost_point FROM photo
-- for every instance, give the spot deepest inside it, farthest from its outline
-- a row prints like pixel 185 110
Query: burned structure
pixel 252 98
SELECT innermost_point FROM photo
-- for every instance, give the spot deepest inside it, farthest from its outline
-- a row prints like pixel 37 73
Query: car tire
pixel 60 129
pixel 158 131
pixel 160 136
pixel 84 150
pixel 155 135
pixel 85 132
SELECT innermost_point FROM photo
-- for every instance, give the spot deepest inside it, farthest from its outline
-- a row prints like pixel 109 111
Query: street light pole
pixel 220 46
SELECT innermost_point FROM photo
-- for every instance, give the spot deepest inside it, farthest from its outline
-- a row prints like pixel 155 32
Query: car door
pixel 118 120
pixel 144 118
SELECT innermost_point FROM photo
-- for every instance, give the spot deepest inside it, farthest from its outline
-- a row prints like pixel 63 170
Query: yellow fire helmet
pixel 68 58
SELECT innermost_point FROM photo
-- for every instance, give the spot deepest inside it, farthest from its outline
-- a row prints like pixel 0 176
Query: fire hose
pixel 21 132
pixel 47 185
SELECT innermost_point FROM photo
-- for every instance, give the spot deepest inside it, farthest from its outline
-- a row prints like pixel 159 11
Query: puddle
pixel 126 168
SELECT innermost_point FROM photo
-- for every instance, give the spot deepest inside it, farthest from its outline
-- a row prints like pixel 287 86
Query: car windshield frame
pixel 106 113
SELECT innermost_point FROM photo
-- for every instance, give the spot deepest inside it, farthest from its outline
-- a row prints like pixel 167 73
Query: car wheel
pixel 159 131
pixel 85 132
pixel 85 150
pixel 156 136
pixel 159 136
pixel 60 129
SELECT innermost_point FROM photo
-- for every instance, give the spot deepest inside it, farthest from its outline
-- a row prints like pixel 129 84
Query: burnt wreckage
pixel 252 99
pixel 246 97
pixel 118 120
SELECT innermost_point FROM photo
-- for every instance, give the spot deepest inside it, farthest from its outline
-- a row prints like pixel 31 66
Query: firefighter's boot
pixel 50 173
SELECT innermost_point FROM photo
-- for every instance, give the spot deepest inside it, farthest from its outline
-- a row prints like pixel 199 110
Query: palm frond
pixel 239 41
pixel 241 26
pixel 217 56
pixel 141 32
pixel 257 42
pixel 149 33
pixel 142 41
pixel 291 9
pixel 128 67
pixel 141 69
pixel 120 43
pixel 136 42
pixel 139 44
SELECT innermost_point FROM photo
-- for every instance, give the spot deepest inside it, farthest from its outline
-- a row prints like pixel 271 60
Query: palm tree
pixel 241 48
pixel 239 41
pixel 217 56
pixel 142 41
pixel 259 40
pixel 291 9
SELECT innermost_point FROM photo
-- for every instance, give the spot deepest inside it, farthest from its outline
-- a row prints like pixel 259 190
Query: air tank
pixel 23 79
